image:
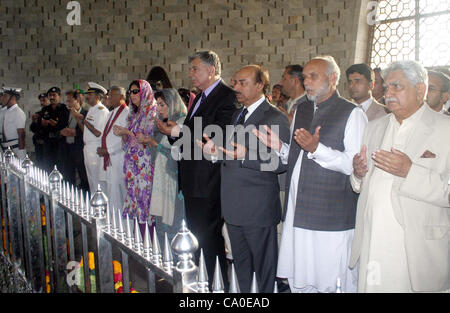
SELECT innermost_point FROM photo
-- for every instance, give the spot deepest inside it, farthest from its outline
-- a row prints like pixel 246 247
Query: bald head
pixel 250 83
pixel 320 79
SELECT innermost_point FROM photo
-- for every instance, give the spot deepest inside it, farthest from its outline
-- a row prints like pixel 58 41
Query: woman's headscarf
pixel 176 106
pixel 139 122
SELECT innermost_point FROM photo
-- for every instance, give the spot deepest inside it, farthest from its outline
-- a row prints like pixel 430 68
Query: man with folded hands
pixel 402 228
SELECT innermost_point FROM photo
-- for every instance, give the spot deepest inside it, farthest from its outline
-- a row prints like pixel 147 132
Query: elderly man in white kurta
pixel 403 223
pixel 320 206
pixel 111 175
pixel 93 126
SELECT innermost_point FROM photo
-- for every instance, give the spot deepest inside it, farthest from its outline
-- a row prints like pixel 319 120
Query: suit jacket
pixel 36 128
pixel 61 115
pixel 375 110
pixel 79 133
pixel 420 201
pixel 250 194
pixel 201 178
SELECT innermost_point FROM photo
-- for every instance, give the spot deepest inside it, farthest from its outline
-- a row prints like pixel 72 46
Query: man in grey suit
pixel 361 79
pixel 250 193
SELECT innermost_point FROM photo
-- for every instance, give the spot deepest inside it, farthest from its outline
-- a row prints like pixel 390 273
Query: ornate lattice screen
pixel 411 30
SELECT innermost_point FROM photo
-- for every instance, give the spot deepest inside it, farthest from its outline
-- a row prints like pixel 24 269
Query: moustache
pixel 390 99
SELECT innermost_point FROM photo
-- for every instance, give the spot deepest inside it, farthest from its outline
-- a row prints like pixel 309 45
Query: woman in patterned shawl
pixel 138 165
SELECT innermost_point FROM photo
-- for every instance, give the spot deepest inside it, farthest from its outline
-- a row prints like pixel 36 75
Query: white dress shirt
pixel 252 108
pixel 365 105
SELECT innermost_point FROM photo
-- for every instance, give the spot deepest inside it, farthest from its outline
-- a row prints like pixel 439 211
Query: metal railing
pixel 48 224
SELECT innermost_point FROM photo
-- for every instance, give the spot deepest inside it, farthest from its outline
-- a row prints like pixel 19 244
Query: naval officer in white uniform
pixel 13 122
pixel 2 110
pixel 93 126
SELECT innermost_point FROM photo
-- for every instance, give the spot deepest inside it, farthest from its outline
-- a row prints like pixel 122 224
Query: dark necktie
pixel 203 97
pixel 241 118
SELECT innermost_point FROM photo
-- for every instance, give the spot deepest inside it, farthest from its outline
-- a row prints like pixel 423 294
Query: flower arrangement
pixel 118 284
pixel 47 281
pixel 117 270
pixel 43 215
pixel 91 264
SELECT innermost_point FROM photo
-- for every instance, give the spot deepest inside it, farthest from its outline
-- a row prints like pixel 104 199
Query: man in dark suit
pixel 71 149
pixel 250 193
pixel 199 179
pixel 38 133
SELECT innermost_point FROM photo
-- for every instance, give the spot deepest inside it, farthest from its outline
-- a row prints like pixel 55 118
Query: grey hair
pixel 414 72
pixel 444 79
pixel 121 90
pixel 209 58
pixel 332 66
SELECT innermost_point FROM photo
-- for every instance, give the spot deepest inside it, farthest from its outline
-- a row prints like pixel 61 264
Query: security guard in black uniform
pixel 39 133
pixel 55 117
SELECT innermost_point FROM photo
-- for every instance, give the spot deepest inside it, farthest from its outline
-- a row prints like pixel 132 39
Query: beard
pixel 320 93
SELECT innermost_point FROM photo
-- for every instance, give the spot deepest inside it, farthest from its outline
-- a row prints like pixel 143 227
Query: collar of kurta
pixel 335 96
pixel 412 118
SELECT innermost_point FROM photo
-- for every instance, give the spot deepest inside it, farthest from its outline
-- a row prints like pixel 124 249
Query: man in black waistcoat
pixel 320 205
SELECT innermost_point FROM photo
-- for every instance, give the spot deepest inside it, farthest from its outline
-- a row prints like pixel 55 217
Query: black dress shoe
pixel 282 286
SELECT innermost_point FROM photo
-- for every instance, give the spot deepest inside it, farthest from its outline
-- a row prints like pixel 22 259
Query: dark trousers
pixel 51 154
pixel 72 158
pixel 203 218
pixel 255 249
pixel 39 153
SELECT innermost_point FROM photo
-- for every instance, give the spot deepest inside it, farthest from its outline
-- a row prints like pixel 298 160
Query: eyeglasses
pixel 134 91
